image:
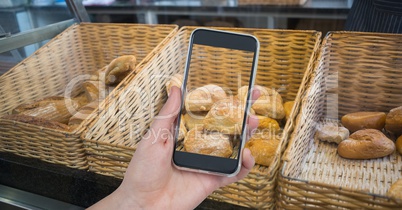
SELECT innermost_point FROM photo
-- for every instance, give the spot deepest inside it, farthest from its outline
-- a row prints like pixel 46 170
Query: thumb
pixel 162 125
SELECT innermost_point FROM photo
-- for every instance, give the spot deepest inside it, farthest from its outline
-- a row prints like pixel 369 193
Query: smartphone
pixel 213 111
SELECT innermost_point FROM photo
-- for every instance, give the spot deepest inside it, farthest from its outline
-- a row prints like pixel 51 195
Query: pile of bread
pixel 212 119
pixel 67 113
pixel 368 131
pixel 373 135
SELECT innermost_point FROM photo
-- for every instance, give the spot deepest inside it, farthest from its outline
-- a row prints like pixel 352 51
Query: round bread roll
pixel 203 142
pixel 332 133
pixel 288 106
pixel 262 148
pixel 398 145
pixel 202 98
pixel 393 122
pixel 364 120
pixel 268 104
pixel 175 80
pixel 266 124
pixel 194 119
pixel 366 144
pixel 395 191
pixel 225 116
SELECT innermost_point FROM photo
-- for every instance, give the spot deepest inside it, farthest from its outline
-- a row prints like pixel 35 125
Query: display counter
pixel 77 187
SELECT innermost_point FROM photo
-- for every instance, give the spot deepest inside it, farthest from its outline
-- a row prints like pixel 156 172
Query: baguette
pixel 37 121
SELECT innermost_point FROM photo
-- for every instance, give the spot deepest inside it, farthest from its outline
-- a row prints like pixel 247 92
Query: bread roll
pixel 268 104
pixel 393 122
pixel 366 144
pixel 332 133
pixel 364 120
pixel 194 119
pixel 398 145
pixel 288 106
pixel 266 124
pixel 395 191
pixel 225 116
pixel 37 121
pixel 208 143
pixel 119 68
pixel 175 80
pixel 202 98
pixel 263 149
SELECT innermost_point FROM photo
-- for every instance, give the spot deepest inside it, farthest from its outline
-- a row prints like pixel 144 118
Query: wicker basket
pixel 271 2
pixel 77 51
pixel 112 138
pixel 355 72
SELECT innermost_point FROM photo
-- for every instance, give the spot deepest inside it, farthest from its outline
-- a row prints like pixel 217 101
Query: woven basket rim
pixel 252 29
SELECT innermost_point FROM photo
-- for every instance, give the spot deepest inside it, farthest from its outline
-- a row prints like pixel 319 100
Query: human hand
pixel 152 182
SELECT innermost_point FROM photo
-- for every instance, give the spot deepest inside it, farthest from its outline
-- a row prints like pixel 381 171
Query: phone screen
pixel 219 73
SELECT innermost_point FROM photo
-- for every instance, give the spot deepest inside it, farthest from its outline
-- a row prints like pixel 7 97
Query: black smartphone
pixel 219 75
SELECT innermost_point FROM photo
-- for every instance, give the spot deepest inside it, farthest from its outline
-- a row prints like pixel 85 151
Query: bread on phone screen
pixel 205 142
pixel 194 119
pixel 201 99
pixel 269 103
pixel 225 116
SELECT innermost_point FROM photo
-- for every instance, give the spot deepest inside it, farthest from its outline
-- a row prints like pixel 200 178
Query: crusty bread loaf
pixel 194 119
pixel 395 191
pixel 398 145
pixel 263 148
pixel 366 144
pixel 364 120
pixel 268 104
pixel 266 124
pixel 332 133
pixel 393 122
pixel 37 121
pixel 54 108
pixel 208 143
pixel 225 116
pixel 201 99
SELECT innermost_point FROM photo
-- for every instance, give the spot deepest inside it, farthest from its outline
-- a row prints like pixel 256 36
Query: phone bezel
pixel 205 163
